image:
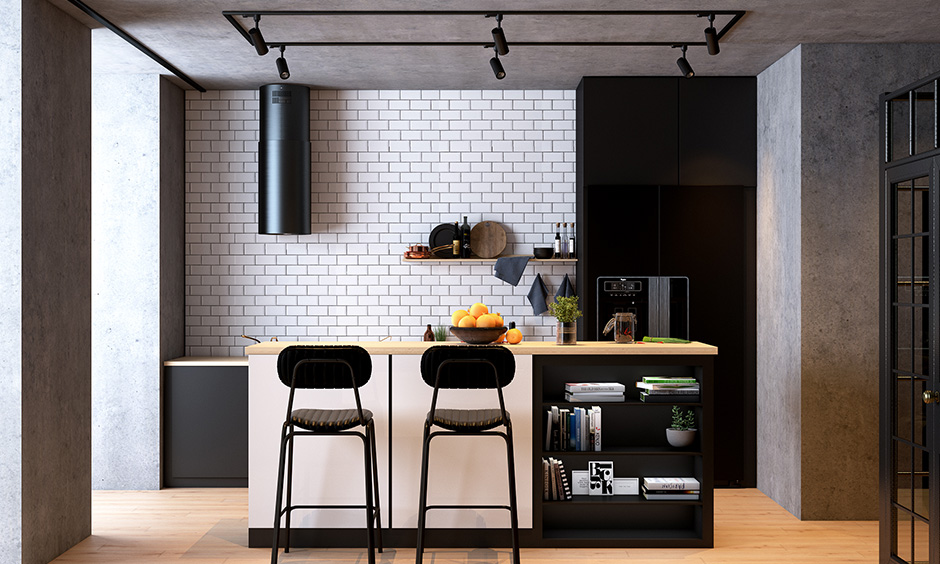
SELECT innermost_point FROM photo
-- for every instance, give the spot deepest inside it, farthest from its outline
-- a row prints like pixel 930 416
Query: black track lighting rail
pixel 233 15
pixel 89 11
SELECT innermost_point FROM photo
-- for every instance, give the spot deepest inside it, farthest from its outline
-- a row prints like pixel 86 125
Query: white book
pixel 681 484
pixel 597 427
pixel 594 387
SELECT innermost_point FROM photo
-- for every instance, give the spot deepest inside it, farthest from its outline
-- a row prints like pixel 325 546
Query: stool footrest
pixel 468 507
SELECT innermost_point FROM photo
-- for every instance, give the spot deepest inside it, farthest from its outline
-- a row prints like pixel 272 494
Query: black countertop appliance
pixel 660 304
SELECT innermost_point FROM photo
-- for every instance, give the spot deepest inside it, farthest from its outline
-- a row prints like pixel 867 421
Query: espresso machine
pixel 659 304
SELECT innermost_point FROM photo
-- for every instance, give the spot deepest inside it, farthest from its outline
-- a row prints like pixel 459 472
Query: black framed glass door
pixel 910 390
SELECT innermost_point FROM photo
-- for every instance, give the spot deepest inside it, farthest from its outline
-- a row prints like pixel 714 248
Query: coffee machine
pixel 660 304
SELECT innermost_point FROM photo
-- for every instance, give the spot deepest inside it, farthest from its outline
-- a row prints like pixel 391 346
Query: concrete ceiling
pixel 194 36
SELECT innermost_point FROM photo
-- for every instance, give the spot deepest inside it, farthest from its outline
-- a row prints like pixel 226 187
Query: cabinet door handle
pixel 931 396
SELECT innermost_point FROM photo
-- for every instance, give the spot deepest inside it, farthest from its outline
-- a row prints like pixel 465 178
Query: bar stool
pixel 467 367
pixel 327 367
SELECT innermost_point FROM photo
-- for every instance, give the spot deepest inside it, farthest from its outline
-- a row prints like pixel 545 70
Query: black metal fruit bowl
pixel 477 335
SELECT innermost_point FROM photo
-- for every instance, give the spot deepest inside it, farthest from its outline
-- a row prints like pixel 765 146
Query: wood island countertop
pixel 523 348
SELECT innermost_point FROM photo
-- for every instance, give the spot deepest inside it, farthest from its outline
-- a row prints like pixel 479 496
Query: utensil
pixel 543 252
pixel 487 239
pixel 440 236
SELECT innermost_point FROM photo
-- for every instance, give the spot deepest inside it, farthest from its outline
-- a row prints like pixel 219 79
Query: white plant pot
pixel 679 438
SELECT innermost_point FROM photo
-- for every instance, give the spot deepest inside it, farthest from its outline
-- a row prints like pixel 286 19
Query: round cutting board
pixel 487 239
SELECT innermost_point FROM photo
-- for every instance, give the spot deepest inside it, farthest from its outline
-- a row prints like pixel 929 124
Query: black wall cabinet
pixel 666 175
pixel 205 426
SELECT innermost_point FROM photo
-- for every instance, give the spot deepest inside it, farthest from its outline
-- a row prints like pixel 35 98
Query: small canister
pixel 624 325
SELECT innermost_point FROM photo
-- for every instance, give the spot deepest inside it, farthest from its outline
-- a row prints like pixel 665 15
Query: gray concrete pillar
pixel 45 305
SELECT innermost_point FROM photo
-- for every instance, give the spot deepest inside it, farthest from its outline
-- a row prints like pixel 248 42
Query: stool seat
pixel 329 420
pixel 468 419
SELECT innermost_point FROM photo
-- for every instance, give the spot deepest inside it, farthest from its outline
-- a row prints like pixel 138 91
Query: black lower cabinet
pixel 205 426
pixel 634 439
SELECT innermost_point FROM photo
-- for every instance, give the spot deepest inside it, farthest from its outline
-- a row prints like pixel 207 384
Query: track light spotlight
pixel 257 39
pixel 499 37
pixel 683 63
pixel 497 67
pixel 281 63
pixel 711 36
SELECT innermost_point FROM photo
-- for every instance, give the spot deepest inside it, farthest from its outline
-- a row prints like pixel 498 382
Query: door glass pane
pixel 921 542
pixel 902 494
pixel 905 534
pixel 919 341
pixel 900 122
pixel 921 268
pixel 902 336
pixel 904 411
pixel 920 483
pixel 903 248
pixel 920 202
pixel 924 118
pixel 903 206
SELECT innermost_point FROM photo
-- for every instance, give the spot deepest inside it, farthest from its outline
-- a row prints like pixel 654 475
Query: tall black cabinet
pixel 666 176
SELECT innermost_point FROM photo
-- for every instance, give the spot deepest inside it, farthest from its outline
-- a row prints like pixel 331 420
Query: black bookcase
pixel 666 186
pixel 634 439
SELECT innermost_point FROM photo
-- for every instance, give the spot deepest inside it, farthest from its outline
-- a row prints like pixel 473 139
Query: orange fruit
pixel 487 320
pixel 478 309
pixel 500 339
pixel 514 336
pixel 467 321
pixel 499 320
pixel 457 316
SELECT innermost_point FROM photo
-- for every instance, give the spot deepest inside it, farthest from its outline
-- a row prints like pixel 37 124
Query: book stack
pixel 555 486
pixel 576 429
pixel 594 391
pixel 671 489
pixel 669 389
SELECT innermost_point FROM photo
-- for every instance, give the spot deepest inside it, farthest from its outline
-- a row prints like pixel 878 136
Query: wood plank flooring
pixel 199 526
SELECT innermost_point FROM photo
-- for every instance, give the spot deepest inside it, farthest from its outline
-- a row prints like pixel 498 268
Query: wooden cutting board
pixel 487 239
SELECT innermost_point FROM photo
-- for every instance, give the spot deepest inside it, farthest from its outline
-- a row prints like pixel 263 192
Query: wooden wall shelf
pixel 479 259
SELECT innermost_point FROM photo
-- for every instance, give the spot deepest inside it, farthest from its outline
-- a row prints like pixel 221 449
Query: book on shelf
pixel 601 474
pixel 666 387
pixel 684 483
pixel 563 476
pixel 686 495
pixel 669 398
pixel 552 484
pixel 593 397
pixel 669 380
pixel 597 427
pixel 594 387
pixel 577 429
pixel 546 492
pixel 555 486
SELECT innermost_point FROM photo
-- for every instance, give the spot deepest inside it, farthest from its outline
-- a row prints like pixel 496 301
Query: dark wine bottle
pixel 465 239
pixel 557 253
pixel 456 243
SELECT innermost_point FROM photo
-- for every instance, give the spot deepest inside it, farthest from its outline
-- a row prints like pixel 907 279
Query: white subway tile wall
pixel 387 167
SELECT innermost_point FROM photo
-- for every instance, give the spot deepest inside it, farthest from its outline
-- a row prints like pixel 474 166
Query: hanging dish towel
pixel 510 269
pixel 537 296
pixel 566 289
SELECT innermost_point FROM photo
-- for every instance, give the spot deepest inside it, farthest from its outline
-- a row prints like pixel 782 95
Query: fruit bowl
pixel 477 335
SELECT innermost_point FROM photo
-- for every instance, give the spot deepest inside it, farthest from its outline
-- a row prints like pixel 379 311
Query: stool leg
pixel 513 515
pixel 375 489
pixel 423 499
pixel 367 465
pixel 290 482
pixel 278 496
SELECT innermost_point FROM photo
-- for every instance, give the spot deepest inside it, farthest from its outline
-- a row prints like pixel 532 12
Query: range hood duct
pixel 284 160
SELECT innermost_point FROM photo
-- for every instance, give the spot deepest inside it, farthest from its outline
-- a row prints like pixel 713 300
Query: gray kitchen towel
pixel 565 289
pixel 537 296
pixel 510 269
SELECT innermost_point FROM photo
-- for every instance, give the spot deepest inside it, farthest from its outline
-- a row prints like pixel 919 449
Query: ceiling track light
pixel 499 37
pixel 254 35
pixel 683 63
pixel 281 63
pixel 497 66
pixel 711 36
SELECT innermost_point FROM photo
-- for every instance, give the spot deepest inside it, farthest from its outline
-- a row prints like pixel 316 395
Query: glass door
pixel 909 376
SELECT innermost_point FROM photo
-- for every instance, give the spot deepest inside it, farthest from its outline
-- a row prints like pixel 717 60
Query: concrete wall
pixel 11 281
pixel 778 281
pixel 55 282
pixel 837 360
pixel 387 167
pixel 138 270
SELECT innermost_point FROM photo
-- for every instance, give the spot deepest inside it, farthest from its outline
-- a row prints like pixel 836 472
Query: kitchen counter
pixel 524 348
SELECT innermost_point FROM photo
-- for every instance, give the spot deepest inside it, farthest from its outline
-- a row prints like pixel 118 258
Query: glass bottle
pixel 557 248
pixel 564 240
pixel 465 239
pixel 571 246
pixel 455 244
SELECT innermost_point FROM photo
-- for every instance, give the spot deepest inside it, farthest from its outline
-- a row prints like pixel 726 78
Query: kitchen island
pixel 328 470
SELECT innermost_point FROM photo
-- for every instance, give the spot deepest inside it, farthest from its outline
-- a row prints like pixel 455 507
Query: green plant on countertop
pixel 440 333
pixel 682 419
pixel 564 309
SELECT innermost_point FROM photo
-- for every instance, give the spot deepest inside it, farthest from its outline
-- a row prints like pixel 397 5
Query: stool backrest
pixel 467 371
pixel 325 375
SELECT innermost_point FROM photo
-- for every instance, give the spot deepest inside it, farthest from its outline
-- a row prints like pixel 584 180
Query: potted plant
pixel 566 313
pixel 440 333
pixel 682 432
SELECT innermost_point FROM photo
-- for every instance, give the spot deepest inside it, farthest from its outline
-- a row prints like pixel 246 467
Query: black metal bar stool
pixel 327 367
pixel 477 367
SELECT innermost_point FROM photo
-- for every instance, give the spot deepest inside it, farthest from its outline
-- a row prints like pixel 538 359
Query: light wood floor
pixel 196 526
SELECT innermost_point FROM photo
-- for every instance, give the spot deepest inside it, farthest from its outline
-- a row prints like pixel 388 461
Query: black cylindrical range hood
pixel 284 160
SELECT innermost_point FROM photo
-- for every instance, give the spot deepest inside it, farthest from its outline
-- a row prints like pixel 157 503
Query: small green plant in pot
pixel 566 312
pixel 440 333
pixel 682 432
